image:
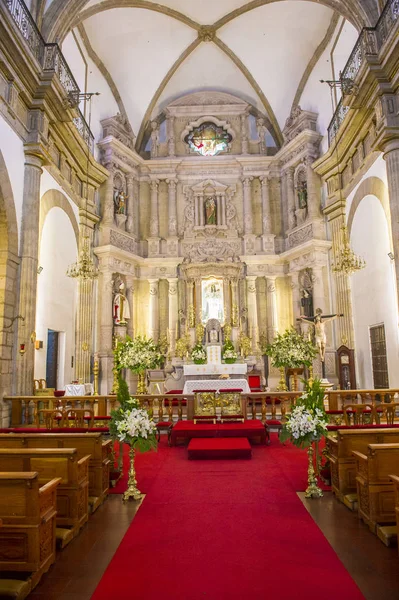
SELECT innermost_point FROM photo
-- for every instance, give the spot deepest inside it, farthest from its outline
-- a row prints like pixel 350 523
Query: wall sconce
pixel 38 344
pixel 391 255
pixel 22 349
pixel 39 270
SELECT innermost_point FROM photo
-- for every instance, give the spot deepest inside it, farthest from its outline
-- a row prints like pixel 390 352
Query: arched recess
pixel 53 198
pixel 61 17
pixel 372 186
pixel 57 294
pixel 8 285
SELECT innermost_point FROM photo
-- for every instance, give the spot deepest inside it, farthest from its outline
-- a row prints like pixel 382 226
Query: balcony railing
pixel 50 58
pixel 84 130
pixel 370 42
pixel 27 26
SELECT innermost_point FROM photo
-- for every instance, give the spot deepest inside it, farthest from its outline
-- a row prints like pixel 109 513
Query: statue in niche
pixel 262 131
pixel 302 194
pixel 210 211
pixel 120 202
pixel 307 303
pixel 120 308
pixel 154 139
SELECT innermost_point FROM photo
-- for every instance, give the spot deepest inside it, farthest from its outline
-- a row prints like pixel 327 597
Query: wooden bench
pixel 27 534
pixel 85 443
pixel 72 492
pixel 395 481
pixel 376 499
pixel 339 452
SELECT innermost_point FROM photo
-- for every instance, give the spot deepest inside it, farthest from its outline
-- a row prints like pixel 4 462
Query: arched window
pixel 208 139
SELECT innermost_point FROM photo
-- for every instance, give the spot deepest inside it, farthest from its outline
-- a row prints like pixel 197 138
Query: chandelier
pixel 347 262
pixel 84 267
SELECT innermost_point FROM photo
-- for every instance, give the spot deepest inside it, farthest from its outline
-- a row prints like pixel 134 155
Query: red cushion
pixel 334 412
pixel 273 422
pixel 374 426
pixel 175 392
pixel 200 391
pixel 163 424
pixel 175 402
pixel 225 390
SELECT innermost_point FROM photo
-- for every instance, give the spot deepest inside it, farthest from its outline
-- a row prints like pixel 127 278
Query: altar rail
pixel 25 410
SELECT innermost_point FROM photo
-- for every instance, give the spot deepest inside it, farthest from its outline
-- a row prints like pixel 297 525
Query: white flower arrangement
pixel 198 353
pixel 230 353
pixel 138 354
pixel 291 350
pixel 135 423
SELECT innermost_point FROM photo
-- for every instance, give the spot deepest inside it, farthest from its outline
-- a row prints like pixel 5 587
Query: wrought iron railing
pixel 50 58
pixel 84 130
pixel 370 42
pixel 336 121
pixel 27 26
pixel 54 61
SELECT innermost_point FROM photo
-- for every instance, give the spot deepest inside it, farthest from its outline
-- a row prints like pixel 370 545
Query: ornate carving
pixel 206 33
pixel 122 241
pixel 300 236
pixel 212 250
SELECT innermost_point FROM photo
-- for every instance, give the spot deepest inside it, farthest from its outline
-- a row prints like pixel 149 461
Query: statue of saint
pixel 262 131
pixel 302 193
pixel 121 310
pixel 319 323
pixel 154 139
pixel 120 202
pixel 307 303
pixel 210 211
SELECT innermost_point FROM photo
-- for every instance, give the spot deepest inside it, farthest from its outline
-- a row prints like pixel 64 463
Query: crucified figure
pixel 319 323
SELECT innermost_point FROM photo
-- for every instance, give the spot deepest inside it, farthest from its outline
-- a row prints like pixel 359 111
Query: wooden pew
pixel 72 492
pixel 376 499
pixel 85 443
pixel 339 452
pixel 395 480
pixel 27 534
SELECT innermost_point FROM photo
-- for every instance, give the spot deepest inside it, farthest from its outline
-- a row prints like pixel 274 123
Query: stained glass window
pixel 208 139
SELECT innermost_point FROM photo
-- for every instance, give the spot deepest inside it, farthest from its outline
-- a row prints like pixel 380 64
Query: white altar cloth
pixel 216 384
pixel 81 389
pixel 209 369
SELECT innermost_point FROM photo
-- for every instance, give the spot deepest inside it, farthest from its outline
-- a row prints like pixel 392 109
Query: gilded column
pixel 227 301
pixel 173 315
pixel 153 309
pixel 252 306
pixel 290 197
pixel 131 200
pixel 190 299
pixel 28 272
pixel 272 316
pixel 235 316
pixel 108 211
pixel 198 300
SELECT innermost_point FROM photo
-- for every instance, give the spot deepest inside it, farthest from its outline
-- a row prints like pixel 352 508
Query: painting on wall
pixel 208 139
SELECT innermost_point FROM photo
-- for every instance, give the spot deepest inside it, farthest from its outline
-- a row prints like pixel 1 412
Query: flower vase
pixel 281 384
pixel 132 489
pixel 141 386
pixel 313 490
pixel 199 361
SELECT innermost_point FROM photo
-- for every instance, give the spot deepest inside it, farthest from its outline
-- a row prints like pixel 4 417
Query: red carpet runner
pixel 224 530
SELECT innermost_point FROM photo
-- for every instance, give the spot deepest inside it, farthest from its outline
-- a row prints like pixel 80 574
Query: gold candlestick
pixel 132 489
pixel 96 371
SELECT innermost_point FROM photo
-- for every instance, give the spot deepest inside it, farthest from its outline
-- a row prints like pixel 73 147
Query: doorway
pixel 52 359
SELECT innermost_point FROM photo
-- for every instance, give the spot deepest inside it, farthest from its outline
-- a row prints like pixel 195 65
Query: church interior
pixel 199 299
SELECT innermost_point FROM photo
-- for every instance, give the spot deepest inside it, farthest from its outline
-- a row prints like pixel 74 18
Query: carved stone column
pixel 190 303
pixel 226 299
pixel 249 237
pixel 235 311
pixel 106 329
pixel 319 295
pixel 130 298
pixel 290 197
pixel 170 128
pixel 391 156
pixel 252 305
pixel 28 272
pixel 108 210
pixel 198 300
pixel 267 236
pixel 153 310
pixel 296 296
pixel 172 242
pixel 314 189
pixel 244 134
pixel 153 240
pixel 131 200
pixel 272 316
pixel 173 315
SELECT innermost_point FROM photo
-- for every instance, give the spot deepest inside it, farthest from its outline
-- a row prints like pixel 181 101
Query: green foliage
pixel 290 349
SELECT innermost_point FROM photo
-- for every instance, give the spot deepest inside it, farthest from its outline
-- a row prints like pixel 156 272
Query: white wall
pixel 377 169
pixel 47 182
pixel 13 153
pixel 373 290
pixel 56 293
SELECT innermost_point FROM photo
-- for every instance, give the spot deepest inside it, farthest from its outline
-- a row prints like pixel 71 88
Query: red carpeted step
pixel 219 448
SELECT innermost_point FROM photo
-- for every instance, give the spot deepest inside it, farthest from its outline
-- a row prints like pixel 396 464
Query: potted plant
pixel 306 424
pixel 130 424
pixel 198 354
pixel 229 355
pixel 290 350
pixel 138 355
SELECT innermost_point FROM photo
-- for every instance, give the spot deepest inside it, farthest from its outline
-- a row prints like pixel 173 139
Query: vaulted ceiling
pixel 153 53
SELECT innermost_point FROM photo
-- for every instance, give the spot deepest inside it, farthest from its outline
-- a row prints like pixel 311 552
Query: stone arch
pixel 373 186
pixel 55 198
pixel 9 262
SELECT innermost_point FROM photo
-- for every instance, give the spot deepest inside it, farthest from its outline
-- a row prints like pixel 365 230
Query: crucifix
pixel 319 323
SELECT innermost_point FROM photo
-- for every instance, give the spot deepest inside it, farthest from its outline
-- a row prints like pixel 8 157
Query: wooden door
pixel 52 359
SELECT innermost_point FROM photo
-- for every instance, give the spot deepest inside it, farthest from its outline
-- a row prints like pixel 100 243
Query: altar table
pixel 215 369
pixel 216 384
pixel 81 389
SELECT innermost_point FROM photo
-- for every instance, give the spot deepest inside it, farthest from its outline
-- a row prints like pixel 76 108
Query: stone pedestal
pixel 268 243
pixel 249 243
pixel 154 246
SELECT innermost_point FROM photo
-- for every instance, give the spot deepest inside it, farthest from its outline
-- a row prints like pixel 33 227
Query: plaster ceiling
pixel 260 55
